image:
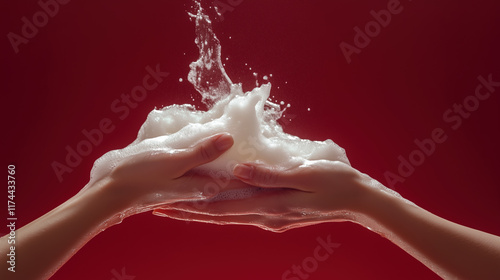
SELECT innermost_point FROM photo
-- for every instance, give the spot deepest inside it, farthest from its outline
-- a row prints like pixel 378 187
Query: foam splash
pixel 207 74
pixel 251 119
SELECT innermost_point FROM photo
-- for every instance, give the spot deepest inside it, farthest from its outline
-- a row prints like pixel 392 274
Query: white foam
pixel 251 119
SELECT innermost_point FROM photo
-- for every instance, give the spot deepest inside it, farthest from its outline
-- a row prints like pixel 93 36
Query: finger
pixel 272 203
pixel 252 220
pixel 220 220
pixel 205 151
pixel 204 187
pixel 267 177
pixel 274 224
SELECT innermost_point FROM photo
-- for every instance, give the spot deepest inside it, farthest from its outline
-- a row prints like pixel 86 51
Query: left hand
pixel 145 181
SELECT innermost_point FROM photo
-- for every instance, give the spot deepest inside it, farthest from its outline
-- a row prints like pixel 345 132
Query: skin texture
pixel 316 192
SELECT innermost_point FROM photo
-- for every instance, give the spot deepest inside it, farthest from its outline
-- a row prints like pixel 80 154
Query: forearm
pixel 138 182
pixel 45 244
pixel 449 249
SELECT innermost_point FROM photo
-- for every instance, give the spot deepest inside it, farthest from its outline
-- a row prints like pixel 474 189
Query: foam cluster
pixel 251 118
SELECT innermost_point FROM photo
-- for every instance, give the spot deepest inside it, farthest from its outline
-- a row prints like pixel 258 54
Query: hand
pixel 316 192
pixel 144 181
pixel 123 183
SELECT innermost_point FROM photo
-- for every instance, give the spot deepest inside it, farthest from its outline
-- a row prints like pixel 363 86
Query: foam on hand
pixel 250 118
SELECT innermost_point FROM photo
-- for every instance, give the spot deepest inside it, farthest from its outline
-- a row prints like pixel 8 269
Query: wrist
pixel 106 199
pixel 376 200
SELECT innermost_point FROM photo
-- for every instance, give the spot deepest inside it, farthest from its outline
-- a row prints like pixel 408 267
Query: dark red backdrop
pixel 395 90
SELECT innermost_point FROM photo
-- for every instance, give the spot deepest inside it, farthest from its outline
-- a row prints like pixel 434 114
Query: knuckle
pixel 266 176
pixel 205 153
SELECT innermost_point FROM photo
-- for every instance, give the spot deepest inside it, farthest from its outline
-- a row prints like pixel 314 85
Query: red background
pixel 395 91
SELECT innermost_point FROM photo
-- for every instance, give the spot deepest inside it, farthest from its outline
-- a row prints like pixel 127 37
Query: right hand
pixel 316 192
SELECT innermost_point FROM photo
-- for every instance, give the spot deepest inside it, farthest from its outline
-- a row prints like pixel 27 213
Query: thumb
pixel 205 151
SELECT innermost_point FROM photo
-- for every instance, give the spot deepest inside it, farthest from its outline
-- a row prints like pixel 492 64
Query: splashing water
pixel 249 117
pixel 207 73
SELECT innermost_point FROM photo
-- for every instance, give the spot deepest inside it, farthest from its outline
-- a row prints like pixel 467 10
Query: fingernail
pixel 224 142
pixel 243 171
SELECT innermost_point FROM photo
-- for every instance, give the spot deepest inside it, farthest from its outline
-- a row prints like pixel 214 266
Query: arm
pixel 324 191
pixel 136 185
pixel 451 250
pixel 45 244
